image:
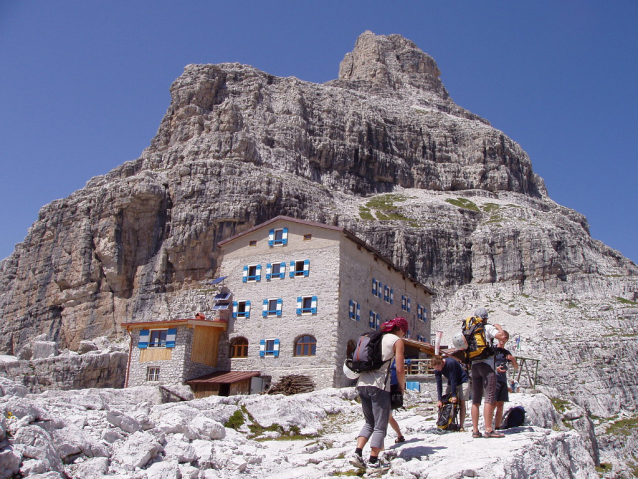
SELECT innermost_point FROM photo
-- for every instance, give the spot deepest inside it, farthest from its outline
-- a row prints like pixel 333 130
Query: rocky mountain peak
pixel 392 61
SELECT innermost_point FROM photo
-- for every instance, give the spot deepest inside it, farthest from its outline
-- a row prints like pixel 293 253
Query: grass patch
pixel 571 305
pixel 623 427
pixel 603 468
pixel 385 202
pixel 559 404
pixel 495 219
pixel 365 213
pixel 489 207
pixel 463 203
pixel 350 473
pixel 236 420
pixel 626 301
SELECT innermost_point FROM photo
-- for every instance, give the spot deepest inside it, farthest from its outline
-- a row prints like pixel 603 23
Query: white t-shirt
pixel 381 377
pixel 490 333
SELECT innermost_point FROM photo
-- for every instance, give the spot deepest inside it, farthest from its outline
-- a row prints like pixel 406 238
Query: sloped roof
pixel 224 377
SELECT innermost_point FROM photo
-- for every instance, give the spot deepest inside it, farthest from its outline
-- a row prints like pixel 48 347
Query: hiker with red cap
pixel 374 391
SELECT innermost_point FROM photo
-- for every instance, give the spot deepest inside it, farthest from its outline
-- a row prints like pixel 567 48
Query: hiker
pixel 484 377
pixel 502 356
pixel 394 383
pixel 374 391
pixel 457 384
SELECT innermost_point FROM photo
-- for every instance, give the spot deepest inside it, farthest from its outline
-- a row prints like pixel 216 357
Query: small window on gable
pixel 152 374
pixel 239 348
pixel 307 237
pixel 252 243
pixel 306 346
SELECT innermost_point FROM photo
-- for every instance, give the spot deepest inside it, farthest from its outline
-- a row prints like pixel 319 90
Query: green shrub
pixel 235 421
pixel 463 203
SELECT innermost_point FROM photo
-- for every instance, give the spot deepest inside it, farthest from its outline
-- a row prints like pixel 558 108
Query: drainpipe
pixel 128 363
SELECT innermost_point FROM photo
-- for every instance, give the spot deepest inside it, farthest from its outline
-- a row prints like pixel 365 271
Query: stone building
pixel 303 292
pixel 293 298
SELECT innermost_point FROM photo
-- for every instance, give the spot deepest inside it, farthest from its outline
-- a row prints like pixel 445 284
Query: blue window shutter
pixel 409 303
pixel 280 303
pixel 374 287
pixel 306 267
pixel 247 314
pixel 268 271
pixel 391 296
pixel 171 335
pixel 299 303
pixel 271 237
pixel 379 289
pixel 351 312
pixel 245 275
pixel 371 319
pixel 282 270
pixel 313 305
pixel 235 307
pixel 292 269
pixel 284 236
pixel 276 348
pixel 143 342
pixel 262 348
pixel 264 311
pixel 425 314
pixel 358 312
pixel 258 276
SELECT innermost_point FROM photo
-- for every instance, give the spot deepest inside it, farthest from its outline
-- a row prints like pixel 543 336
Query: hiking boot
pixel 357 461
pixel 378 466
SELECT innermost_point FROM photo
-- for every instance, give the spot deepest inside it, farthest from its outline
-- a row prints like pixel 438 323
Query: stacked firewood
pixel 293 384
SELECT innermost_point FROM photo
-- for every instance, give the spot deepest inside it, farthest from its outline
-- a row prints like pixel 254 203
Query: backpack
pixel 367 356
pixel 477 346
pixel 514 417
pixel 447 415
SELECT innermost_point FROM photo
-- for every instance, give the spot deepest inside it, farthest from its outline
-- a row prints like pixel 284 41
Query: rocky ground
pixel 130 433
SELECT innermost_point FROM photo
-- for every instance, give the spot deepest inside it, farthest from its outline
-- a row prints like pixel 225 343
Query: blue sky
pixel 84 84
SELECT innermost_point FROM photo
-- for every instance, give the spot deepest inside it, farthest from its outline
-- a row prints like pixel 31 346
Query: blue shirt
pixel 454 373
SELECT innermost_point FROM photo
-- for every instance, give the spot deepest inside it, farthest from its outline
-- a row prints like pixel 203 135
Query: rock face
pixel 383 151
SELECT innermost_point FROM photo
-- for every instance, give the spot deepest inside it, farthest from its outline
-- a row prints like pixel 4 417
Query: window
pixel 152 374
pixel 374 287
pixel 272 307
pixel 380 290
pixel 269 348
pixel 299 268
pixel 252 273
pixel 306 305
pixel 158 338
pixel 354 312
pixel 275 270
pixel 241 309
pixel 278 237
pixel 306 346
pixel 239 348
pixel 421 313
pixel 374 320
pixel 307 237
pixel 252 243
pixel 405 303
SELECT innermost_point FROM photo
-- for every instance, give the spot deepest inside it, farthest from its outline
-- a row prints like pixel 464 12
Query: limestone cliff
pixel 382 150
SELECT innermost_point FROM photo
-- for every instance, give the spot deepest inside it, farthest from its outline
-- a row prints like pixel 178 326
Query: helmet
pixel 349 373
pixel 481 313
pixel 459 341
